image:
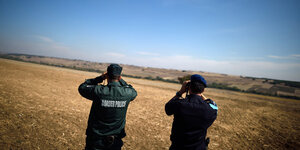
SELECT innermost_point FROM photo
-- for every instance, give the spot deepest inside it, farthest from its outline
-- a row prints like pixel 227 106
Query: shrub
pixel 184 78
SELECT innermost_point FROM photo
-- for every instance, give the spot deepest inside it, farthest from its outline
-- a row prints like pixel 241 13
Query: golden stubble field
pixel 40 108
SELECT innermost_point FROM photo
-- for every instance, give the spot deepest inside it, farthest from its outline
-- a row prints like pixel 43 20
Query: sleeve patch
pixel 213 106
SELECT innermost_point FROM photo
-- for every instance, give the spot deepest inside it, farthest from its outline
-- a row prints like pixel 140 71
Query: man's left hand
pixel 183 87
pixel 104 75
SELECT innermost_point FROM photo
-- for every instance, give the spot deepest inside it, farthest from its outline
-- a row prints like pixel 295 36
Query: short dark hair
pixel 114 69
pixel 113 77
pixel 197 87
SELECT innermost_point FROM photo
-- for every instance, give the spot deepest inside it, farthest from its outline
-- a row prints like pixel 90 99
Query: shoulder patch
pixel 212 104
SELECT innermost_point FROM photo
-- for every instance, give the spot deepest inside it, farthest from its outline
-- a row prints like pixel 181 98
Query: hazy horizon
pixel 147 66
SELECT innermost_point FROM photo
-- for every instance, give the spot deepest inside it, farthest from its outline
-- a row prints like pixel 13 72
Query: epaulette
pixel 127 86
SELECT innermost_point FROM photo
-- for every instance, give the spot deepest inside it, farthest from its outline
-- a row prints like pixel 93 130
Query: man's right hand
pixel 100 79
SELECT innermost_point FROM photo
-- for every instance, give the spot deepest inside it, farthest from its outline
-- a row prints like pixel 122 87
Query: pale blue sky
pixel 258 38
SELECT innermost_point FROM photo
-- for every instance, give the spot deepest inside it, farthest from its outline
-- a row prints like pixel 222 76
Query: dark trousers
pixel 195 146
pixel 103 143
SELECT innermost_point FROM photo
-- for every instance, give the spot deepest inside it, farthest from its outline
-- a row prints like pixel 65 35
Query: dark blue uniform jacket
pixel 192 117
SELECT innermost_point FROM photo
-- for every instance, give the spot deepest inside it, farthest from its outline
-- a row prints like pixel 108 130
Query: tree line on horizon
pixel 179 80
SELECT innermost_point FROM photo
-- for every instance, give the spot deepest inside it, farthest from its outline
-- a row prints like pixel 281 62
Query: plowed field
pixel 40 108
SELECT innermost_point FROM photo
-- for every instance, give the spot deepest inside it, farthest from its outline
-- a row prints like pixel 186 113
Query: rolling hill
pixel 263 86
pixel 42 109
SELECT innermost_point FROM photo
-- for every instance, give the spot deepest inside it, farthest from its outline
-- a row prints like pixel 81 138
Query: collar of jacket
pixel 114 83
pixel 195 96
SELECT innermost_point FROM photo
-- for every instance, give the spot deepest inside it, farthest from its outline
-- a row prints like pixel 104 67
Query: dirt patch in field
pixel 41 109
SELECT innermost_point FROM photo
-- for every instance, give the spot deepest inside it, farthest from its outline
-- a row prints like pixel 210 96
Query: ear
pixel 119 78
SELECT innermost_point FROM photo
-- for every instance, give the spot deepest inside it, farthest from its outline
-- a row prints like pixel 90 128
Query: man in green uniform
pixel 108 112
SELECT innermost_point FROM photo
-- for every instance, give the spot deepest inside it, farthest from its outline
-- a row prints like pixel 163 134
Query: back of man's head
pixel 114 71
pixel 197 87
pixel 198 84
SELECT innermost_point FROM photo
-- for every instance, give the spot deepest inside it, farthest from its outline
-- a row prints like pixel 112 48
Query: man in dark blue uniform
pixel 108 112
pixel 192 115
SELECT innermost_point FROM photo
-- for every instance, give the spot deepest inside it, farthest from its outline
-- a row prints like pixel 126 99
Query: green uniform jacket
pixel 110 103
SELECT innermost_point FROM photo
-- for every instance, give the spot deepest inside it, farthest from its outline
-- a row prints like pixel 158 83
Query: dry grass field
pixel 40 108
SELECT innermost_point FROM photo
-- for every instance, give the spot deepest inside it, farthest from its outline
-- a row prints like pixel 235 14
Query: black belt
pixel 207 140
pixel 110 139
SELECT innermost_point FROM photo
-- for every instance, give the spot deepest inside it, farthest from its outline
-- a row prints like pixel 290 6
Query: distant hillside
pixel 222 81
